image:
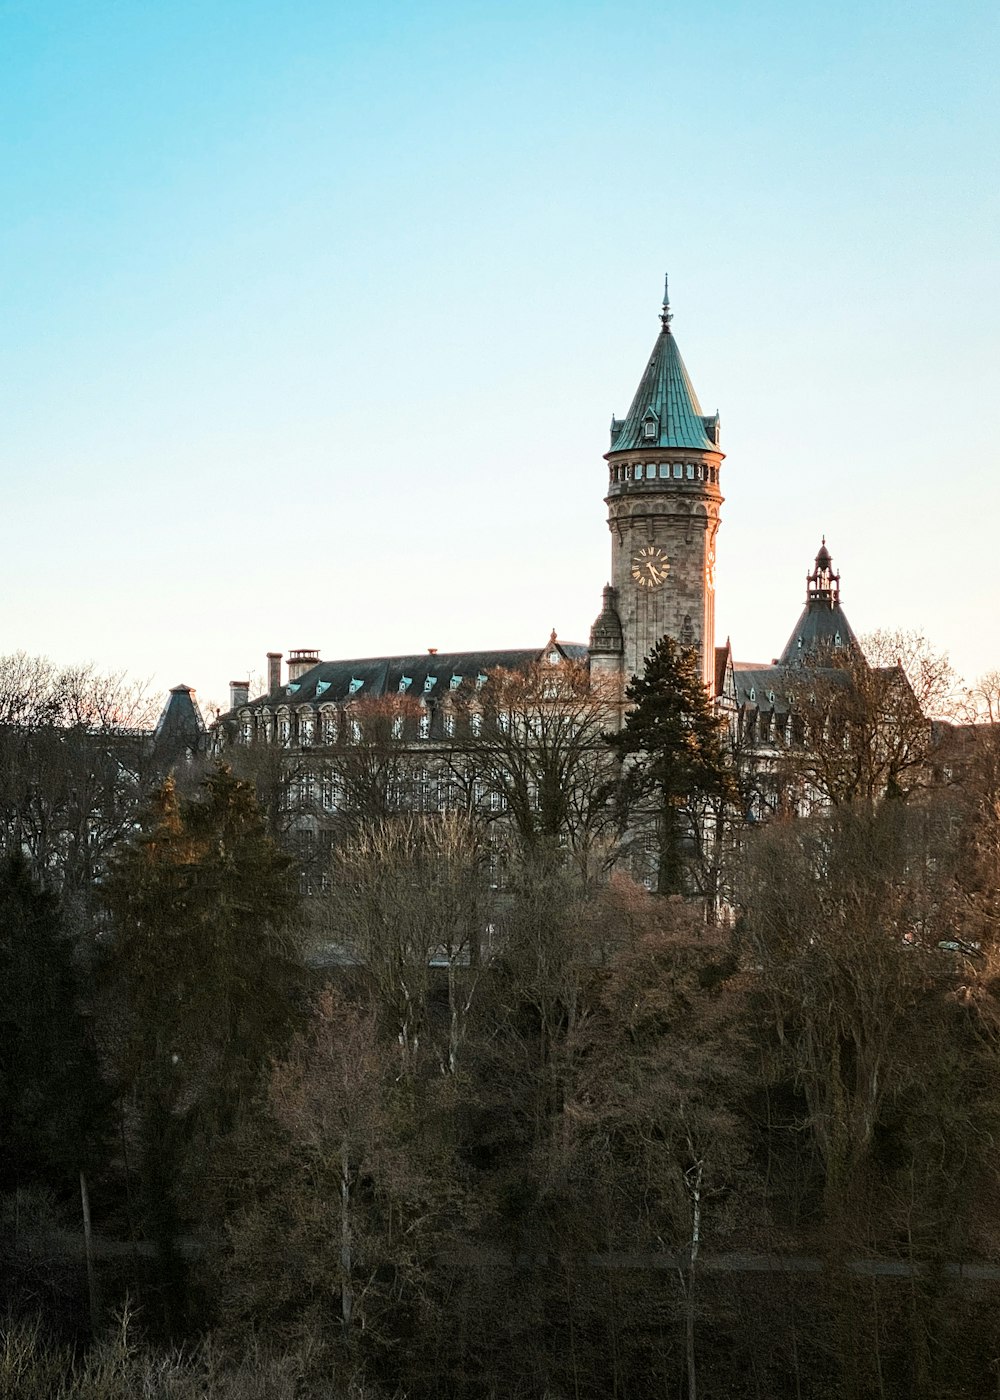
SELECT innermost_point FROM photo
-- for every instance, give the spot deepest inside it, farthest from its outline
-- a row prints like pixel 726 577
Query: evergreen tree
pixel 52 1099
pixel 672 742
pixel 206 977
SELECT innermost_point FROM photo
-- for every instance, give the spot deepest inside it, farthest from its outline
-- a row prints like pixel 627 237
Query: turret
pixel 822 632
pixel 663 510
pixel 607 645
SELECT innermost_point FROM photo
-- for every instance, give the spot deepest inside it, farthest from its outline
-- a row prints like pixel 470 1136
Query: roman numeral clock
pixel 650 566
pixel 663 511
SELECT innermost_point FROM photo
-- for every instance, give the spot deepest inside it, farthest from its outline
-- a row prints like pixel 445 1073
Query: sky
pixel 313 316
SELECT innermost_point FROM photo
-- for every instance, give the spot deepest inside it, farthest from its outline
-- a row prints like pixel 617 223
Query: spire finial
pixel 666 315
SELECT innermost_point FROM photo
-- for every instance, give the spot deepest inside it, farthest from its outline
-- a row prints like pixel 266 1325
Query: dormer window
pixel 429 683
pixel 355 686
pixel 404 684
pixel 456 681
pixel 649 428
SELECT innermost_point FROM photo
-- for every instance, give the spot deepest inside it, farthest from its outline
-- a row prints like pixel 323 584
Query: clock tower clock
pixel 663 512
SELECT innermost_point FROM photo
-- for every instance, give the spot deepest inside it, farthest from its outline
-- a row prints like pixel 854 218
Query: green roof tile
pixel 666 395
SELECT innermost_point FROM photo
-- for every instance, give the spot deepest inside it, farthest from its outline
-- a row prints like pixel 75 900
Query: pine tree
pixel 206 981
pixel 52 1099
pixel 672 746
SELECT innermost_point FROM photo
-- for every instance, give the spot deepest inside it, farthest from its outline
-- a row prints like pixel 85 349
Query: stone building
pixel 663 506
pixel 664 503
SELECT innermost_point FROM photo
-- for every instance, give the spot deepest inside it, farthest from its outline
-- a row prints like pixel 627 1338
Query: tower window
pixel 690 471
pixel 649 429
pixel 650 471
pixel 678 470
pixel 637 471
pixel 664 470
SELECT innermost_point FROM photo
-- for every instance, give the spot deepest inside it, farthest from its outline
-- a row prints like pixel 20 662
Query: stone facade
pixel 663 512
pixel 678 518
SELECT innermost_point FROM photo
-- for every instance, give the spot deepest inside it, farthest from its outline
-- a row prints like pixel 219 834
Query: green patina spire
pixel 667 400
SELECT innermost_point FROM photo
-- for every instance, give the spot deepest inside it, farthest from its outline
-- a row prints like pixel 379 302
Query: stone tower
pixel 663 512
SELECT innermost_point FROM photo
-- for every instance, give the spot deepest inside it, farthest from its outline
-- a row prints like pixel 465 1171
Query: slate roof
pixel 822 630
pixel 429 675
pixel 774 687
pixel 666 391
pixel 180 728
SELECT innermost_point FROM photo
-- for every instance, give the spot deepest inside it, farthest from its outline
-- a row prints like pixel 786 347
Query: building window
pixel 449 724
pixel 355 731
pixel 355 686
pixel 690 471
pixel 649 428
pixel 424 727
pixel 664 470
pixel 404 684
pixel 637 471
pixel 306 728
pixel 650 471
pixel 476 724
pixel 329 726
pixel 397 726
pixel 678 470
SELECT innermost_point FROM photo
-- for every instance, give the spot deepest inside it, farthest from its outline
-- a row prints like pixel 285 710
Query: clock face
pixel 649 567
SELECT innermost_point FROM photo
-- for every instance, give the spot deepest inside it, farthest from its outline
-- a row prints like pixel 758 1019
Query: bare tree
pixel 861 729
pixel 534 756
pixel 75 763
pixel 411 896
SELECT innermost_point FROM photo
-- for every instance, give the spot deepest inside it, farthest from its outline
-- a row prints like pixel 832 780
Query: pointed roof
pixel 666 397
pixel 822 631
pixel 180 727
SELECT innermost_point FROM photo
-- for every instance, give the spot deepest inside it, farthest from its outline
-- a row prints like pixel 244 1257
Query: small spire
pixel 666 315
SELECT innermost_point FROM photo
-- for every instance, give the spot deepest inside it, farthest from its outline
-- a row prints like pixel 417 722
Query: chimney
pixel 239 693
pixel 273 671
pixel 301 660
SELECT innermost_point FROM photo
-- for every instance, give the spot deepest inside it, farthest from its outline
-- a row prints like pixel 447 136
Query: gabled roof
pixel 667 397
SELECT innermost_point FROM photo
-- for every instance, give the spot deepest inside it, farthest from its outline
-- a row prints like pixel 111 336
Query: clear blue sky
pixel 314 316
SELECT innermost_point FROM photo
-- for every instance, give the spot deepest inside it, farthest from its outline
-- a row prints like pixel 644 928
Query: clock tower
pixel 663 512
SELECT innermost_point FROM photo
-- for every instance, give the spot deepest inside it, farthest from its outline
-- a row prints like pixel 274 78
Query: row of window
pixel 420 791
pixel 664 471
pixel 768 727
pixel 307 728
